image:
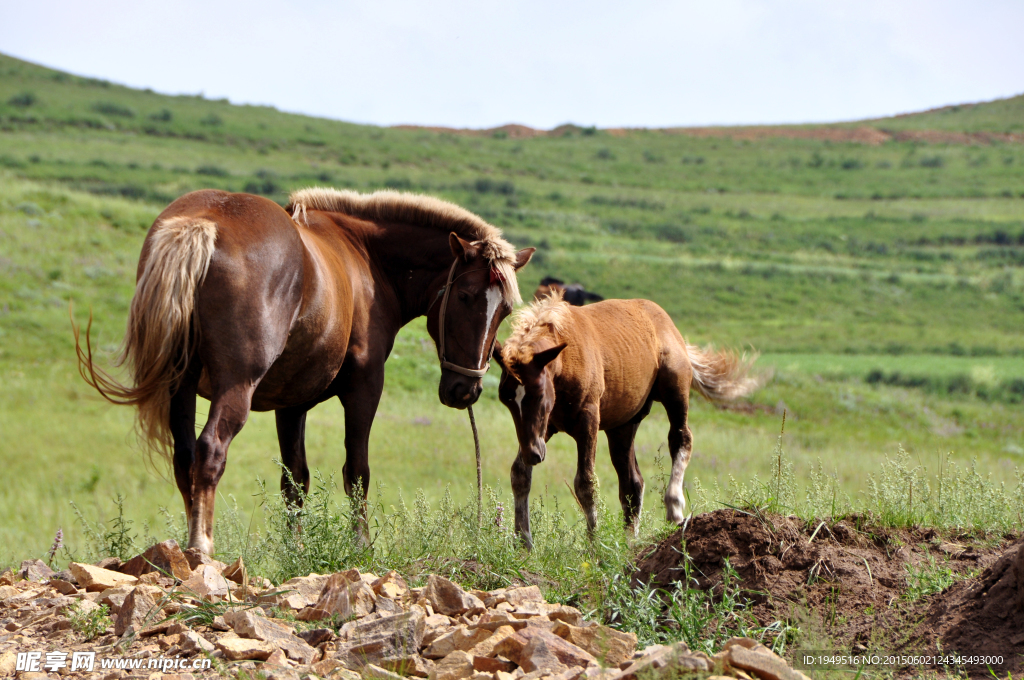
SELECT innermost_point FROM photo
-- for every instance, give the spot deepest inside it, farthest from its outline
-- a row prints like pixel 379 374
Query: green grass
pixel 839 261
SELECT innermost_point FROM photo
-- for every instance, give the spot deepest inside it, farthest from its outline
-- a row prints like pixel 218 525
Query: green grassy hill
pixel 883 282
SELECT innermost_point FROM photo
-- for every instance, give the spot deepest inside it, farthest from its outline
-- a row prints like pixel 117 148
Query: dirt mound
pixel 842 583
pixel 984 615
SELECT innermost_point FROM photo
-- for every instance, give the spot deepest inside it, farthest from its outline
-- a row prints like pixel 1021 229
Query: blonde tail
pixel 162 331
pixel 723 375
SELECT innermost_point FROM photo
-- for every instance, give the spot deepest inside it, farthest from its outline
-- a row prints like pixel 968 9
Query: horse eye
pixel 463 296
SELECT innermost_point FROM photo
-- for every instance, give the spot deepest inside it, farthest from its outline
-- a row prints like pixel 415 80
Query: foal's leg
pixel 522 480
pixel 229 409
pixel 674 389
pixel 631 482
pixel 586 451
pixel 291 436
pixel 183 429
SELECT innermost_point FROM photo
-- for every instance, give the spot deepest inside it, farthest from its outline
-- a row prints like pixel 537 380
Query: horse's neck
pixel 414 270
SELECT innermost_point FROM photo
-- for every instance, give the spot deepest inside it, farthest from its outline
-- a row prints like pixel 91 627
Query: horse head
pixel 527 389
pixel 473 303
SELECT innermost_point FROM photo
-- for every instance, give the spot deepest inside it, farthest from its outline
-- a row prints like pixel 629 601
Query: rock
pixel 511 647
pixel 277 658
pixel 240 649
pixel 115 597
pixel 458 639
pixel 455 666
pixel 295 593
pixel 391 585
pixel 449 598
pixel 35 570
pixel 247 624
pixel 206 583
pixel 487 664
pixel 236 572
pixel 341 597
pixel 390 636
pixel 63 587
pixel 436 626
pixel 192 642
pixel 138 610
pixel 371 672
pixel 487 646
pixel 297 650
pixel 609 646
pixel 111 563
pixel 408 665
pixel 676 658
pixel 542 646
pixel 97 579
pixel 8 662
pixel 7 578
pixel 317 636
pixel 754 657
pixel 219 623
pixel 163 558
pixel 7 592
pixel 197 557
pixel 492 620
pixel 520 596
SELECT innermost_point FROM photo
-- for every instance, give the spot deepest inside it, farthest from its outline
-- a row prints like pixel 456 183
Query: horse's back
pixel 618 351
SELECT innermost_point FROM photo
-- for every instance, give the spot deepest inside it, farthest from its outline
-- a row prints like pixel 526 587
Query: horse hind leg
pixel 229 409
pixel 675 396
pixel 631 482
pixel 183 430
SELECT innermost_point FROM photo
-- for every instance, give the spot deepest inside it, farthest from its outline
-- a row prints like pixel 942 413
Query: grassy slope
pixel 838 252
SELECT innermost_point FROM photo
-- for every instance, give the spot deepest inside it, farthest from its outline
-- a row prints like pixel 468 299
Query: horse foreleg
pixel 360 399
pixel 631 482
pixel 522 480
pixel 291 436
pixel 228 412
pixel 586 477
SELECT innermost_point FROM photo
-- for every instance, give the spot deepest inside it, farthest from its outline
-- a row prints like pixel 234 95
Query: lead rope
pixel 479 473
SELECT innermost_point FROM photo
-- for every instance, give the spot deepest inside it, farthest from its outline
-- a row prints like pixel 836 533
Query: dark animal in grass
pixel 254 308
pixel 573 293
pixel 580 370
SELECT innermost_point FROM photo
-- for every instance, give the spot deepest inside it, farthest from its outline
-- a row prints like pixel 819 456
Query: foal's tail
pixel 723 375
pixel 162 329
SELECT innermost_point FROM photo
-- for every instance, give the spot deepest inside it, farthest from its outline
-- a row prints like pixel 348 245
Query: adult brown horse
pixel 242 304
pixel 580 370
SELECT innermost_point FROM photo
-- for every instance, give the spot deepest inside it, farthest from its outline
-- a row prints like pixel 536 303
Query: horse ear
pixel 496 354
pixel 461 249
pixel 542 359
pixel 523 256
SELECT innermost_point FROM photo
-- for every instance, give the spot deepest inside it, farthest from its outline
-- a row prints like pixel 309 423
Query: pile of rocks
pixel 170 603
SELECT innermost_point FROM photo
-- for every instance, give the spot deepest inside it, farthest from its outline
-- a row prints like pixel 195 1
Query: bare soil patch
pixel 846 588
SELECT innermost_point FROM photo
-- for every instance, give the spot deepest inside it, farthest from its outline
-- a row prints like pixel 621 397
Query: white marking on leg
pixel 494 298
pixel 674 499
pixel 520 393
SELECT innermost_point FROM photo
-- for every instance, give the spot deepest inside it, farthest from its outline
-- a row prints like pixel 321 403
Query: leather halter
pixel 470 372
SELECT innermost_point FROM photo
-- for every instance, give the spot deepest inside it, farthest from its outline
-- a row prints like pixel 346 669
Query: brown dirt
pixel 845 589
pixel 862 134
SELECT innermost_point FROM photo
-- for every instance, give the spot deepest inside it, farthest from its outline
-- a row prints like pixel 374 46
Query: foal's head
pixel 528 364
pixel 482 291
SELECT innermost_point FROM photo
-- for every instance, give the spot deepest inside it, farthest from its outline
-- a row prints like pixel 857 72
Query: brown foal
pixel 254 308
pixel 580 370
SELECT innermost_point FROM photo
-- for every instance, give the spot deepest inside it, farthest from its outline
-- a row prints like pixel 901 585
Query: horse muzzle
pixel 534 455
pixel 458 391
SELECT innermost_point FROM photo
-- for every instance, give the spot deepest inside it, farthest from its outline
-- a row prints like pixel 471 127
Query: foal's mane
pixel 397 206
pixel 544 318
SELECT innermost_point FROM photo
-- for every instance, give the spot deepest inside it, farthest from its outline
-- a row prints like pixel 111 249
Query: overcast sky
pixel 482 63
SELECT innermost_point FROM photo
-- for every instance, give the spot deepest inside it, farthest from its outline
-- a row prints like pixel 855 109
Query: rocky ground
pixel 172 607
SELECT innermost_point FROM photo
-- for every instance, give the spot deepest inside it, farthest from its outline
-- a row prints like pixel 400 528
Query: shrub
pixel 931 161
pixel 113 109
pixel 23 100
pixel 605 154
pixel 212 120
pixel 212 171
pixel 163 116
pixel 90 625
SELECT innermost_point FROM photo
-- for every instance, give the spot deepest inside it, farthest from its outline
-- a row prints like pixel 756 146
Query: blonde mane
pixel 397 206
pixel 544 318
